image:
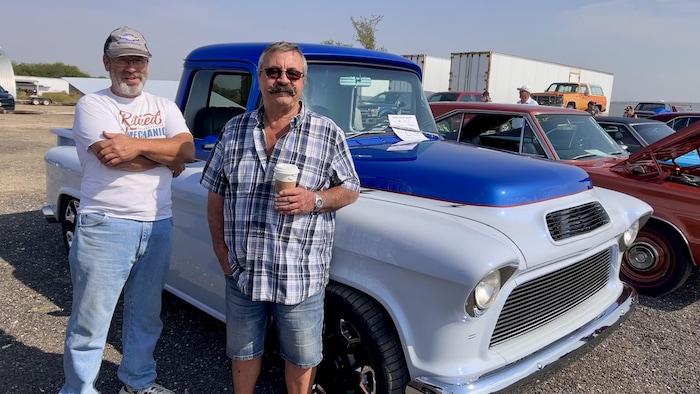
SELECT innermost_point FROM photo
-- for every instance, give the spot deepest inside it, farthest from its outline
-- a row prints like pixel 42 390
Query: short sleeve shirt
pixel 278 258
pixel 137 195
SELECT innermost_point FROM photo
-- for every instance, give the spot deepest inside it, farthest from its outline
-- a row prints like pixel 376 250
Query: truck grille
pixel 574 221
pixel 552 101
pixel 538 302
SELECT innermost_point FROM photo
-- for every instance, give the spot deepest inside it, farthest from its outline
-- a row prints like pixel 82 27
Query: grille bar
pixel 539 301
pixel 571 222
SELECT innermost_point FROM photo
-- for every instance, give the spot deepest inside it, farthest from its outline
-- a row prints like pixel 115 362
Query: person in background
pixel 629 112
pixel 524 92
pixel 276 251
pixel 592 108
pixel 486 97
pixel 130 144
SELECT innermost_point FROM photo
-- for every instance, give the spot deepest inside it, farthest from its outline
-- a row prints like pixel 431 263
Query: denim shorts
pixel 299 327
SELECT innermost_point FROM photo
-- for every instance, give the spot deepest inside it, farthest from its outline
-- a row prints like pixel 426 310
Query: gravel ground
pixel 654 351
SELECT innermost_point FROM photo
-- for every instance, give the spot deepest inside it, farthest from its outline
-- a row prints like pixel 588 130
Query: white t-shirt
pixel 137 195
pixel 529 101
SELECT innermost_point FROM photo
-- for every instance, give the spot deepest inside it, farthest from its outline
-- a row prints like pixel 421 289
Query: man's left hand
pixel 117 148
pixel 299 201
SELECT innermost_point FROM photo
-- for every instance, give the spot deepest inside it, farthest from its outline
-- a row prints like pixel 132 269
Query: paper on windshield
pixel 406 127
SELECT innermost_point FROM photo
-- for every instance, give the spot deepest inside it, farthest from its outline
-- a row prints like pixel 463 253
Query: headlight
pixel 629 236
pixel 373 112
pixel 486 291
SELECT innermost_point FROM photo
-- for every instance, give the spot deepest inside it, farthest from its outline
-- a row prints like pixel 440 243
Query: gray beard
pixel 125 90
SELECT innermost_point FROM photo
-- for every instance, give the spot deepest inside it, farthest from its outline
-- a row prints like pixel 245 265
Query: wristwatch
pixel 318 204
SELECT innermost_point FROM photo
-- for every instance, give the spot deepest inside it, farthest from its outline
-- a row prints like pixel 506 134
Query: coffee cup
pixel 285 178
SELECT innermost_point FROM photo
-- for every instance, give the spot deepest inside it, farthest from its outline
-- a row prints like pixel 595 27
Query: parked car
pixel 455 96
pixel 668 246
pixel 634 133
pixel 646 109
pixel 7 100
pixel 376 110
pixel 677 120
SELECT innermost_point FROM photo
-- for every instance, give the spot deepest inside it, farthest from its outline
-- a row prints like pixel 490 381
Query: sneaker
pixel 152 389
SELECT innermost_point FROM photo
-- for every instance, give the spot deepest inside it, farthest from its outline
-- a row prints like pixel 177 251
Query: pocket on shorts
pixel 91 219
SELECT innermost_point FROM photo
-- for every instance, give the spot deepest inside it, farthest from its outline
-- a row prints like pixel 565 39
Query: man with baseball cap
pixel 525 96
pixel 130 144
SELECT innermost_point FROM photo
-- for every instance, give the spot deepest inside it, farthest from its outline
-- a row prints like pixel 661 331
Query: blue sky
pixel 651 46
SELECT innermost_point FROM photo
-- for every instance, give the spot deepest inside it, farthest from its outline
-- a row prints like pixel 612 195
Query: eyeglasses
pixel 276 73
pixel 125 61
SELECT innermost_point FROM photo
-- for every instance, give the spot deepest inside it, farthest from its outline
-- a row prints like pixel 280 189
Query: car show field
pixel 652 352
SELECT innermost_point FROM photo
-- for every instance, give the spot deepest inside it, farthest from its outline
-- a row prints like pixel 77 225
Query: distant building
pixel 7 74
pixel 40 85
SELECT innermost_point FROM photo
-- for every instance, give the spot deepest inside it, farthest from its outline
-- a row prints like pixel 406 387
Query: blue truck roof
pixel 250 52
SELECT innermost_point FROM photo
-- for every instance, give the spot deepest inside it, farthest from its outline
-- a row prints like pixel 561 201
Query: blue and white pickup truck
pixel 458 270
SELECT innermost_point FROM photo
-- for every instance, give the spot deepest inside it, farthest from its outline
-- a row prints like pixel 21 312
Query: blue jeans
pixel 107 255
pixel 299 327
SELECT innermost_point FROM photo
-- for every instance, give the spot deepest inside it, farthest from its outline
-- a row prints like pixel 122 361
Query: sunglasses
pixel 276 73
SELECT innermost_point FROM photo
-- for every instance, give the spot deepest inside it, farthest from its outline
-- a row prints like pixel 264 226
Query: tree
pixel 48 70
pixel 338 43
pixel 365 33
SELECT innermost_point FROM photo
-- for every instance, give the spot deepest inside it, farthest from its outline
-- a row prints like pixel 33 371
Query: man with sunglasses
pixel 130 144
pixel 276 251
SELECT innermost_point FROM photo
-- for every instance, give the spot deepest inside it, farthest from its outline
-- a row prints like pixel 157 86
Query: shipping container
pixel 436 72
pixel 503 74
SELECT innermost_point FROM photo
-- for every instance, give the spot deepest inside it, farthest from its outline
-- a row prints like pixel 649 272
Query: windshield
pixel 578 137
pixel 651 133
pixel 563 87
pixel 360 98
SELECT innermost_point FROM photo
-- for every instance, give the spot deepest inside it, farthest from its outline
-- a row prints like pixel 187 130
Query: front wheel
pixel 69 215
pixel 361 350
pixel 658 261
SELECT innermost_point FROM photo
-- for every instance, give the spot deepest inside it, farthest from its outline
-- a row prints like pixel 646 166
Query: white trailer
pixel 35 87
pixel 436 72
pixel 503 74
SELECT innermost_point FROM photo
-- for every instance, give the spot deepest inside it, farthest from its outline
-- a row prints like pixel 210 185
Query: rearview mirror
pixel 355 81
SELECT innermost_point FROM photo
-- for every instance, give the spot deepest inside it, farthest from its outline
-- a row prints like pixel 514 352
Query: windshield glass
pixel 653 132
pixel 578 137
pixel 360 98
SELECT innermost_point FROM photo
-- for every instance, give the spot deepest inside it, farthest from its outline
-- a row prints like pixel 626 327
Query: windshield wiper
pixel 583 156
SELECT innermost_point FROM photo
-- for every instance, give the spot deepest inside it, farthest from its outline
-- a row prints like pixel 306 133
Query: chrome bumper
pixel 536 366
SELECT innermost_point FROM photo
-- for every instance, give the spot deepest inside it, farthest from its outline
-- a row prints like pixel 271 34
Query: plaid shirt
pixel 279 258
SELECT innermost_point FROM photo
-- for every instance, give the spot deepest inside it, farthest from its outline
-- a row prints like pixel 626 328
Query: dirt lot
pixel 655 351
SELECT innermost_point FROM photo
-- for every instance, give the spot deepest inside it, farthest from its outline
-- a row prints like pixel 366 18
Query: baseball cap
pixel 525 88
pixel 126 41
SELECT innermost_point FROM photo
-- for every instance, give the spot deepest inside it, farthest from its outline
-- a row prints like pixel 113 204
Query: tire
pixel 69 213
pixel 46 101
pixel 658 262
pixel 571 105
pixel 34 101
pixel 360 346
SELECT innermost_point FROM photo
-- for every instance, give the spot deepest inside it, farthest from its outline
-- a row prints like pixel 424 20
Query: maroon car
pixel 455 96
pixel 677 120
pixel 667 249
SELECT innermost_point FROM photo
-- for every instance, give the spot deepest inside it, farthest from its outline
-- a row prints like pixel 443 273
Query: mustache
pixel 279 88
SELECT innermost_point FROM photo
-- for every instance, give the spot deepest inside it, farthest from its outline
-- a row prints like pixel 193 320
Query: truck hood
pixel 462 174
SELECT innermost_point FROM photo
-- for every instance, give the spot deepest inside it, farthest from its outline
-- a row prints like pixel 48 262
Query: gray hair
pixel 282 46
